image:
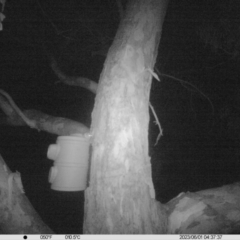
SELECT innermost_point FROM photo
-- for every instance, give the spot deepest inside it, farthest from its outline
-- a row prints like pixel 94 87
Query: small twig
pixel 194 87
pixel 153 74
pixel 158 123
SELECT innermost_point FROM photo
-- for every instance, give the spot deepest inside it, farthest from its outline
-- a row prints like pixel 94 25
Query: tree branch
pixel 74 81
pixel 17 213
pixel 38 120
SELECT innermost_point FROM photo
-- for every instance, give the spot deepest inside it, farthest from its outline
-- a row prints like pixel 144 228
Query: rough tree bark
pixel 121 195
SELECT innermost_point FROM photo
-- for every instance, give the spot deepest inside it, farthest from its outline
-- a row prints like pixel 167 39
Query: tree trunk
pixel 121 196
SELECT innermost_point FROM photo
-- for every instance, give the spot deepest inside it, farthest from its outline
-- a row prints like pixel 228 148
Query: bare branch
pixel 16 108
pixel 19 215
pixel 56 125
pixel 157 122
pixel 74 81
pixel 38 120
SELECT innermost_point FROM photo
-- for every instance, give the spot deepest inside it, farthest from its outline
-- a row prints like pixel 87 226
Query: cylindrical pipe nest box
pixel 71 163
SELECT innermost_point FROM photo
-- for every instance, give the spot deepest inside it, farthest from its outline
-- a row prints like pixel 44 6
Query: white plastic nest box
pixel 71 163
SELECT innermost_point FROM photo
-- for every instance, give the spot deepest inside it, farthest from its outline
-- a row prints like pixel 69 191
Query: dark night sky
pixel 201 139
